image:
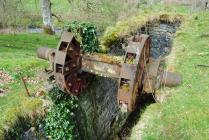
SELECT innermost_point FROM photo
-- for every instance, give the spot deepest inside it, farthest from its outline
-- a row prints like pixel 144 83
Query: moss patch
pixel 130 26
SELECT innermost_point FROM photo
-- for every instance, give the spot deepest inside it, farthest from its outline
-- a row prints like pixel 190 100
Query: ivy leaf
pixel 86 34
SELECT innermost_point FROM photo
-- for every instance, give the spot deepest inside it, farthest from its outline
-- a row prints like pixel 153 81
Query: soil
pixel 143 101
pixel 5 78
pixel 3 92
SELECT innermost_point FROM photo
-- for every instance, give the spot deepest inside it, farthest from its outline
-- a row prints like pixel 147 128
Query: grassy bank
pixel 18 55
pixel 185 114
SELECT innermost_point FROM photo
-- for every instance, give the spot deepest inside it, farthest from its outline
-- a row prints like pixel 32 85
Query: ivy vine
pixel 60 122
pixel 86 34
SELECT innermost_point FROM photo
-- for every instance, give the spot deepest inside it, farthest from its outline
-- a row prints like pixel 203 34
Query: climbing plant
pixel 86 34
pixel 60 122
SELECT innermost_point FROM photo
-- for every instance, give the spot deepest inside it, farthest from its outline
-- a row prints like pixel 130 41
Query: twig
pixel 201 65
pixel 59 18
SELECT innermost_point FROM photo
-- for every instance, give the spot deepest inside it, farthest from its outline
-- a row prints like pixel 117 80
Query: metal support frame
pixel 71 67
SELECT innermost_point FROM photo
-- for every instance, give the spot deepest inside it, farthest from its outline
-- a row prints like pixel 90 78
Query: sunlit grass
pixel 18 54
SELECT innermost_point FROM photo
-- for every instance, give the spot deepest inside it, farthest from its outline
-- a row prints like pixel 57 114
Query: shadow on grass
pixel 29 48
pixel 21 129
pixel 22 124
pixel 143 101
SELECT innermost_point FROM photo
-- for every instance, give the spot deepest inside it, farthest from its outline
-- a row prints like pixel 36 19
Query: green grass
pixel 185 114
pixel 18 54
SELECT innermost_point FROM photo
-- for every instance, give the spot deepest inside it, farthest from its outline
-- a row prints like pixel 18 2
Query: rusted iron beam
pixel 46 53
pixel 105 67
pixel 170 79
pixel 98 64
pixel 154 78
pixel 150 76
pixel 136 72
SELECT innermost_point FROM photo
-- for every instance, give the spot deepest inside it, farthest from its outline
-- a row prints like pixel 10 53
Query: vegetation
pixel 18 54
pixel 61 117
pixel 126 27
pixel 20 13
pixel 184 114
pixel 103 13
pixel 86 34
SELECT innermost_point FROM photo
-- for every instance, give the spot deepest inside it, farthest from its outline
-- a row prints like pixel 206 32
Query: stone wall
pixel 161 34
pixel 99 116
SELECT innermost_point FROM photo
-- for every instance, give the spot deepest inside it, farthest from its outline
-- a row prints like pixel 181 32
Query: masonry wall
pixel 99 117
pixel 162 34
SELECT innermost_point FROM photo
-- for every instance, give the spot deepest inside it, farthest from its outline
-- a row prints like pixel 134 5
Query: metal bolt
pixel 69 84
pixel 74 65
pixel 67 69
pixel 71 49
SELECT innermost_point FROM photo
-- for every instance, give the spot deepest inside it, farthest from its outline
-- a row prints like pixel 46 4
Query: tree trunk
pixel 47 16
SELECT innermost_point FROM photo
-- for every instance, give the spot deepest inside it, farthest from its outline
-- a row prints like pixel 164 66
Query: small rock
pixel 30 134
pixel 48 87
pixel 40 93
pixel 3 92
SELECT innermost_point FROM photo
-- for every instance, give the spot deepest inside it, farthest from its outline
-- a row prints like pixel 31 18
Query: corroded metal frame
pixel 71 66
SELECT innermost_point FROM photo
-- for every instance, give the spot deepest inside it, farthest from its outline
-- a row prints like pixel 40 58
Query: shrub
pixel 60 122
pixel 11 13
pixel 102 13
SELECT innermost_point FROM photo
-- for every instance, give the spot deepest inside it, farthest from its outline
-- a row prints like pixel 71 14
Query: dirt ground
pixel 5 78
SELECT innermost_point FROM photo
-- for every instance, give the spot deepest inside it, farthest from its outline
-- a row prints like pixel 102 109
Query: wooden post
pixel 27 92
